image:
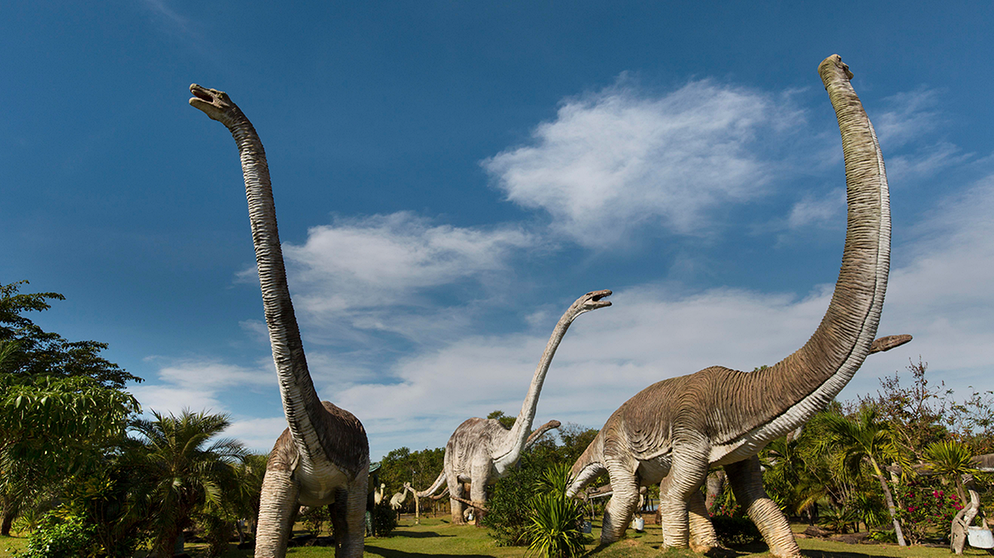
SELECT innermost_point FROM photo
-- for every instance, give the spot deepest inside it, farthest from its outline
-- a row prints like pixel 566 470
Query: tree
pixel 40 353
pixel 60 402
pixel 187 471
pixel 864 439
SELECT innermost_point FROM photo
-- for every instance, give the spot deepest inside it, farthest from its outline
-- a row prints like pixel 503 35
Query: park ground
pixel 437 537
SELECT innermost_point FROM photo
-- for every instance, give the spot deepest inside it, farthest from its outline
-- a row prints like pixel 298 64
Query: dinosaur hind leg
pixel 702 535
pixel 277 510
pixel 746 479
pixel 687 473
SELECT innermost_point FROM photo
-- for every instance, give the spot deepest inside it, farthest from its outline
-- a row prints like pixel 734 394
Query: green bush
pixel 735 530
pixel 384 519
pixel 508 509
pixel 60 537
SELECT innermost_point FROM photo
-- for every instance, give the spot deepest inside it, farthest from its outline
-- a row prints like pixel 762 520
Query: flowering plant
pixel 925 511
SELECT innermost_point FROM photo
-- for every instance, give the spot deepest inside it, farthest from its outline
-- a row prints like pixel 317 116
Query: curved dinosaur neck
pixel 300 400
pixel 793 390
pixel 513 444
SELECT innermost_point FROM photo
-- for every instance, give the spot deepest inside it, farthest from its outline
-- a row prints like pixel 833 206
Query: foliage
pixel 61 404
pixel 951 460
pixel 926 511
pixel 508 511
pixel 59 537
pixel 555 525
pixel 186 475
pixel 420 468
pixel 839 520
pixel 735 530
pixel 41 353
pixel 384 519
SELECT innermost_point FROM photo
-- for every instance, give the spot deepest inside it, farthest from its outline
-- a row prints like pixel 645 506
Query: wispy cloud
pixel 398 273
pixel 617 159
pixel 199 384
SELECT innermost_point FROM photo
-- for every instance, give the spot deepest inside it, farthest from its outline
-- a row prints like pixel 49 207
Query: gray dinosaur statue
pixel 441 483
pixel 673 430
pixel 480 451
pixel 322 458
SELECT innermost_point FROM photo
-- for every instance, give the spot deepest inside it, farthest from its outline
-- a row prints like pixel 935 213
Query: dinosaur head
pixel 592 301
pixel 215 104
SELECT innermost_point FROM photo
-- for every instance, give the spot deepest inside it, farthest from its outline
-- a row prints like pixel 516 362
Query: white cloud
pixel 909 118
pixel 200 385
pixel 377 273
pixel 814 211
pixel 614 160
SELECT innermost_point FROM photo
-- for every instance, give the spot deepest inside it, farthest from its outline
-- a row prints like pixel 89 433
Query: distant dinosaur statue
pixel 480 451
pixel 322 458
pixel 672 431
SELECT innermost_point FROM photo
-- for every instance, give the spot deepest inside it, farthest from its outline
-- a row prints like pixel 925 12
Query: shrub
pixel 508 509
pixel 735 530
pixel 925 511
pixel 58 537
pixel 384 519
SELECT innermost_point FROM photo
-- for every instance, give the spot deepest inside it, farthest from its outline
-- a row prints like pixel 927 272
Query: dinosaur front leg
pixel 687 473
pixel 702 535
pixel 277 508
pixel 456 491
pixel 621 505
pixel 746 479
pixel 348 518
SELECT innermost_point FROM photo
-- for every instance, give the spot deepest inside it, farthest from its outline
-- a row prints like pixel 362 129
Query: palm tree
pixel 864 440
pixel 951 460
pixel 186 469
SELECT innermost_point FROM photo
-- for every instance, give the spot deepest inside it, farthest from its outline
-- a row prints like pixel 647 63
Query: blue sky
pixel 450 176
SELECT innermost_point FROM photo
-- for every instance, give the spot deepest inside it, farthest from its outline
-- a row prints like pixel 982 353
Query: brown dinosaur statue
pixel 480 451
pixel 672 431
pixel 322 458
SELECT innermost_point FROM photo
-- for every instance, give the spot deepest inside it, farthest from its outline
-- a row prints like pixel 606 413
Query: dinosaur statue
pixel 673 430
pixel 440 482
pixel 398 498
pixel 322 458
pixel 481 451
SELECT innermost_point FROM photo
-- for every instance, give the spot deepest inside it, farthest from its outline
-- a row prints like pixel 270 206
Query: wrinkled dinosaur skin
pixel 480 451
pixel 322 458
pixel 672 431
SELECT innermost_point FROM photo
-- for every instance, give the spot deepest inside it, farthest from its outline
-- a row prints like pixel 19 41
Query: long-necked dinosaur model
pixel 673 430
pixel 481 451
pixel 440 487
pixel 323 457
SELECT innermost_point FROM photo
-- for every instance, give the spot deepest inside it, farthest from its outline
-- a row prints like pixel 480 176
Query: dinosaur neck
pixel 300 400
pixel 793 390
pixel 514 442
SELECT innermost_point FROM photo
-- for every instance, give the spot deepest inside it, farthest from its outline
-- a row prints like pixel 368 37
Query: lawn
pixel 439 538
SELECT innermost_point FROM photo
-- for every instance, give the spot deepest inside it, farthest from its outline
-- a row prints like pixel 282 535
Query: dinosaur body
pixel 322 458
pixel 672 431
pixel 482 450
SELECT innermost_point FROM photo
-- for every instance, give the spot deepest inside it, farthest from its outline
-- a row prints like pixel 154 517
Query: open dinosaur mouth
pixel 599 297
pixel 201 93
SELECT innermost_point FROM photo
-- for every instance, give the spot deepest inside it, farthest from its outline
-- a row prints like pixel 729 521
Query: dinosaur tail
pixel 587 467
pixel 439 483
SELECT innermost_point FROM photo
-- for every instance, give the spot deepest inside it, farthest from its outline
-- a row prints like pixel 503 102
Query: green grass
pixel 439 538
